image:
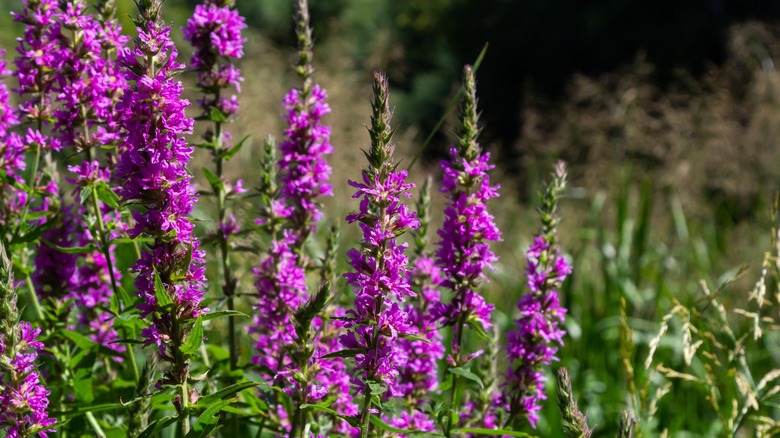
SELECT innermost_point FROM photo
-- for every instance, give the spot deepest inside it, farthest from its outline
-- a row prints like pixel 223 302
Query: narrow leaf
pixel 156 426
pixel 163 299
pixel 224 393
pixel 217 116
pixel 108 196
pixel 467 374
pixel 192 344
pixel 224 314
pixel 342 354
pixel 414 338
pixel 208 420
pixel 213 180
pixel 229 153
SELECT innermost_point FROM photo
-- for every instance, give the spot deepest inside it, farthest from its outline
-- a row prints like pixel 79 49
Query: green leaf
pixel 208 420
pixel 127 341
pixel 163 299
pixel 71 249
pixel 82 385
pixel 224 393
pixel 229 153
pixel 490 432
pixel 342 354
pixel 35 233
pixel 192 344
pixel 94 409
pixel 467 374
pixel 156 426
pixel 377 388
pixel 108 196
pixel 183 266
pixel 217 116
pixel 86 192
pixel 351 420
pixel 213 180
pixel 80 340
pixel 478 329
pixel 414 338
pixel 224 314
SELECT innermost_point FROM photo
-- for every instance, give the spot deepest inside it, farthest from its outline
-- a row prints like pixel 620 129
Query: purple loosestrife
pixel 419 376
pixel 96 277
pixel 379 278
pixel 12 152
pixel 464 250
pixel 291 314
pixel 532 344
pixel 38 69
pixel 38 63
pixel 23 399
pixel 89 88
pixel 54 270
pixel 153 175
pixel 214 30
pixel 304 170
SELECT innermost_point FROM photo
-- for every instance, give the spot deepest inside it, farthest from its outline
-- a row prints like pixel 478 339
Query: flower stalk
pixel 214 31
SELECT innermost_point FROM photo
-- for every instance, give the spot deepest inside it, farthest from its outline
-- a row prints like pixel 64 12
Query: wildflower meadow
pixel 163 277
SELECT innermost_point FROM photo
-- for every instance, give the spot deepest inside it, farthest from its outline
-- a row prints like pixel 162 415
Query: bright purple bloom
pixel 281 286
pixel 38 66
pixel 91 83
pixel 380 278
pixel 420 374
pixel 413 420
pixel 464 251
pixel 12 151
pixel 537 334
pixel 55 270
pixel 153 174
pixel 23 399
pixel 304 169
pixel 214 30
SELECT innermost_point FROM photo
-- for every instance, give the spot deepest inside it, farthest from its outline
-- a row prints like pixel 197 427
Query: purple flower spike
pixel 304 169
pixel 464 252
pixel 153 174
pixel 23 398
pixel 380 278
pixel 12 151
pixel 538 334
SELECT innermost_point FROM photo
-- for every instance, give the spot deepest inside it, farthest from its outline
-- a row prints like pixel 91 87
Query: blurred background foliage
pixel 668 113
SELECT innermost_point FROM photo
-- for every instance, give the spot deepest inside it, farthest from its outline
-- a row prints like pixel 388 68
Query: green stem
pixel 33 179
pixel 34 297
pixel 184 417
pixel 93 422
pixel 229 284
pixel 455 378
pixel 365 425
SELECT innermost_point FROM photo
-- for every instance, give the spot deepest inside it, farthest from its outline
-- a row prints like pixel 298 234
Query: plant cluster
pixel 117 335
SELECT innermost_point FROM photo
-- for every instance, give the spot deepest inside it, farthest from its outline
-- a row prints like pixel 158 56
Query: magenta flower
pixel 538 332
pixel 12 151
pixel 304 169
pixel 379 278
pixel 464 252
pixel 23 399
pixel 153 174
pixel 281 284
pixel 420 374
